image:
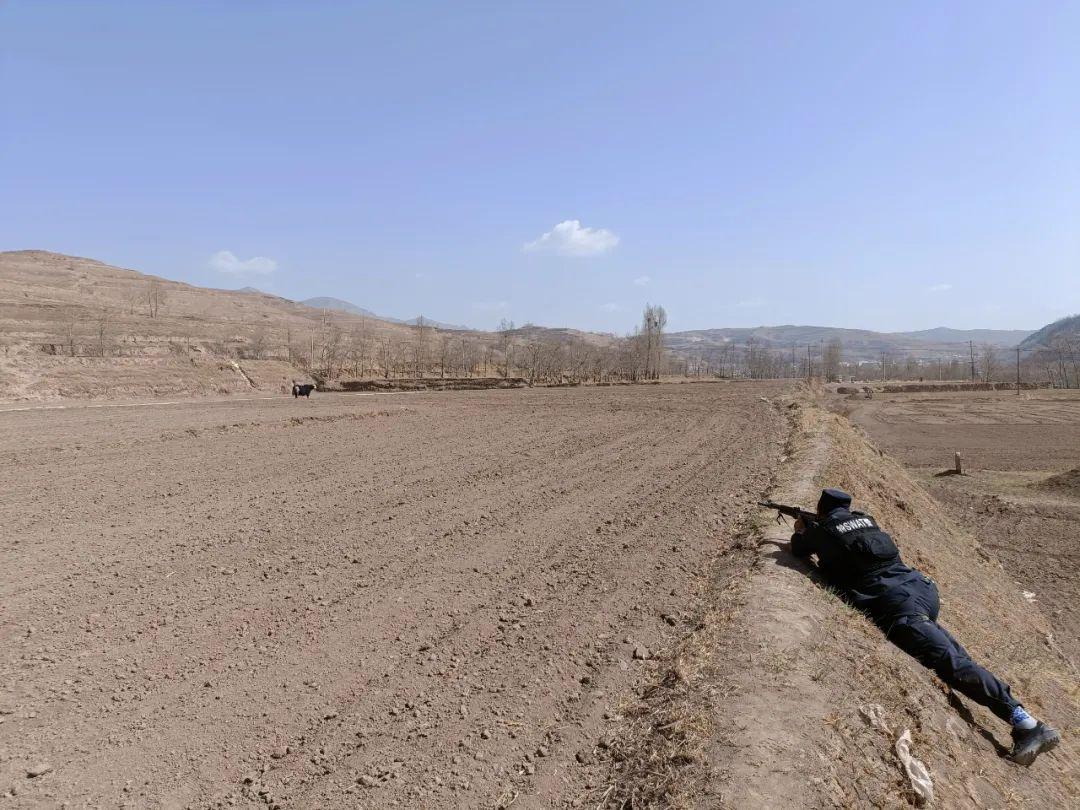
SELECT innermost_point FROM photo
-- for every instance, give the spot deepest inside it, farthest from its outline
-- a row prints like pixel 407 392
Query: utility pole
pixel 971 348
pixel 809 367
pixel 1018 371
pixel 883 366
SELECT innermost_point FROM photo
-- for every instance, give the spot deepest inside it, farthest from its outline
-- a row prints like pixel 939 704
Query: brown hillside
pixel 75 327
pixel 40 290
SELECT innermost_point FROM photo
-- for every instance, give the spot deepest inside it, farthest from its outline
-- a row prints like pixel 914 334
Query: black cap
pixel 832 499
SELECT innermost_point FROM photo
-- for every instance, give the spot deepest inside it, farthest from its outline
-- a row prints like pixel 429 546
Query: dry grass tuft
pixel 657 757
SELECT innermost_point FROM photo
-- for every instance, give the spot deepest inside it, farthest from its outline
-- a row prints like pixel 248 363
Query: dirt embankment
pixel 913 388
pixel 1016 495
pixel 27 377
pixel 432 384
pixel 783 696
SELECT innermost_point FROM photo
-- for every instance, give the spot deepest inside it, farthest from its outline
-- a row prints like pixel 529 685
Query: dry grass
pixel 665 729
pixel 657 753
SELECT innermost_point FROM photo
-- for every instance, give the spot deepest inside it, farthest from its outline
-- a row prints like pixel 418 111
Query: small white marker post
pixel 956 463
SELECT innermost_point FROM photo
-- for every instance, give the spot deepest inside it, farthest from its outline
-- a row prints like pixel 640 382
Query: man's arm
pixel 805 540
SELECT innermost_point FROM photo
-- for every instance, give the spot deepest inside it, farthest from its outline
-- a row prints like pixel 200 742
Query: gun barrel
pixel 790 511
pixel 780 507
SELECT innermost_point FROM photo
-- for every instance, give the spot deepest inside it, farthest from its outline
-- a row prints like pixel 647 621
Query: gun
pixel 797 512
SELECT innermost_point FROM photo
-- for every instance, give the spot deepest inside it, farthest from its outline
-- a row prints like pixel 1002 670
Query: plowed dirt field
pixel 366 601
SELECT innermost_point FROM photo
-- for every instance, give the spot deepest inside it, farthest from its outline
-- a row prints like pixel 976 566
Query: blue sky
pixel 887 166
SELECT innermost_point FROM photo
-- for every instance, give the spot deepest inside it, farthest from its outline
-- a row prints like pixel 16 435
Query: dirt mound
pixel 1068 482
pixel 916 388
pixel 433 384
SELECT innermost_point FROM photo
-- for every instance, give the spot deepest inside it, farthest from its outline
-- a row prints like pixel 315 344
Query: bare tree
pixel 423 330
pixel 257 344
pixel 330 349
pixel 465 365
pixel 832 357
pixel 358 349
pixel 445 357
pixel 290 353
pixel 385 357
pixel 653 322
pixel 69 326
pixel 134 299
pixel 506 344
pixel 102 335
pixel 988 361
pixel 155 297
pixel 911 368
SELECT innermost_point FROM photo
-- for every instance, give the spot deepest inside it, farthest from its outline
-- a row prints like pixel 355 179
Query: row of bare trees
pixel 338 348
pixel 97 338
pixel 149 298
pixel 756 361
pixel 1059 363
pixel 99 335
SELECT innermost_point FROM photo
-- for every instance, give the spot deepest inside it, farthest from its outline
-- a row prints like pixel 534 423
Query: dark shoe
pixel 1029 744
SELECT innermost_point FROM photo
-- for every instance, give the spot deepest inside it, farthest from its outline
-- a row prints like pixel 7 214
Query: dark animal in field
pixel 302 390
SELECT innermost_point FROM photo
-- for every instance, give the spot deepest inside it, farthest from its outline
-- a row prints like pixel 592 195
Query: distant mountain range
pixel 858 344
pixel 326 302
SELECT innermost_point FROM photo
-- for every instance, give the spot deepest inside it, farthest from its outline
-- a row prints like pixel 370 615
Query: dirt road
pixel 429 600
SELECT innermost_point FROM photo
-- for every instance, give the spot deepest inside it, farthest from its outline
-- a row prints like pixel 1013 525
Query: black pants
pixel 919 635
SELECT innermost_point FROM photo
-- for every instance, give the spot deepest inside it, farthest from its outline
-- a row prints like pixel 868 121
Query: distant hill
pixel 450 327
pixel 1045 337
pixel 73 327
pixel 858 344
pixel 326 302
pixel 943 334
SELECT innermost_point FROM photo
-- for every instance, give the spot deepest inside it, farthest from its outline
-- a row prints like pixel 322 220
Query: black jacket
pixel 861 561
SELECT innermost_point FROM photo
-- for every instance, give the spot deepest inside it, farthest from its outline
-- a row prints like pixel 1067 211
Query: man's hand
pixel 800 527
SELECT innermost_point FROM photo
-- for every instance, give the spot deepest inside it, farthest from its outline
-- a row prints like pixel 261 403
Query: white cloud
pixel 225 261
pixel 610 306
pixel 939 288
pixel 569 238
pixel 750 303
pixel 491 306
pixel 642 281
